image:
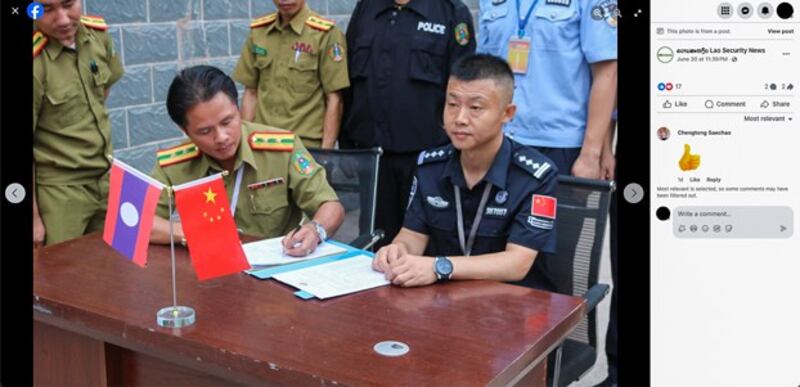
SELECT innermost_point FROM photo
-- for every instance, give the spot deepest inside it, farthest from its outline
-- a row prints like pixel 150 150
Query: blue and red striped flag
pixel 132 200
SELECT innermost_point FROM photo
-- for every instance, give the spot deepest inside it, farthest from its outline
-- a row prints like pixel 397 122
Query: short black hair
pixel 483 66
pixel 194 85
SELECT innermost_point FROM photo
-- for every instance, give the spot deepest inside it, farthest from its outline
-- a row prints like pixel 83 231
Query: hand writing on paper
pixel 301 242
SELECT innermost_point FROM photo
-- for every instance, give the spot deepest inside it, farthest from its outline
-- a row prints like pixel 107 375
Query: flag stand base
pixel 175 316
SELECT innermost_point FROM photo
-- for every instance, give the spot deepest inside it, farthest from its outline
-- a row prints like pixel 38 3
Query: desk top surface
pixel 247 330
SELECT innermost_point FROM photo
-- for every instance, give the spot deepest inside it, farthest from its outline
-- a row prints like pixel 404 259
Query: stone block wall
pixel 157 37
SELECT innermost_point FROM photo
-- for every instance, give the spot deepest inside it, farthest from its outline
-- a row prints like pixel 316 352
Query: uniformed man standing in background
pixel 400 54
pixel 293 66
pixel 272 180
pixel 564 57
pixel 74 65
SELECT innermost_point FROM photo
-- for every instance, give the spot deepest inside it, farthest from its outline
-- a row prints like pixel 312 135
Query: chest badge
pixel 433 28
pixel 437 201
pixel 501 197
pixel 266 183
pixel 563 3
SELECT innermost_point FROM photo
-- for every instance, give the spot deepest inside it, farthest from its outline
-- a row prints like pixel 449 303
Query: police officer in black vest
pixel 399 57
pixel 484 206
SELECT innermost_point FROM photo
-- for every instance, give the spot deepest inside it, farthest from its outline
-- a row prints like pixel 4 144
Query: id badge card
pixel 519 49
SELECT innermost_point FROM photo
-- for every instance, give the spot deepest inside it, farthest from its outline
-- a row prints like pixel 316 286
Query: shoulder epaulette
pixel 94 22
pixel 178 154
pixel 272 141
pixel 435 154
pixel 532 162
pixel 264 20
pixel 39 42
pixel 319 23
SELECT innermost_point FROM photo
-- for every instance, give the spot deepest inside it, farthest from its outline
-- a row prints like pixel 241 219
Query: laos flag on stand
pixel 132 200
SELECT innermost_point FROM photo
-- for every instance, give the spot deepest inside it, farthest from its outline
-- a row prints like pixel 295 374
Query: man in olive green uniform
pixel 293 66
pixel 272 179
pixel 74 66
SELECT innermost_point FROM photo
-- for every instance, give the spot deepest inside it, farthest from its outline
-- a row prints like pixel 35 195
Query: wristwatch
pixel 443 268
pixel 323 235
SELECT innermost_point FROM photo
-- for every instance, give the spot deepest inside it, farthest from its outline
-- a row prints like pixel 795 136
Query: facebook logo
pixel 35 10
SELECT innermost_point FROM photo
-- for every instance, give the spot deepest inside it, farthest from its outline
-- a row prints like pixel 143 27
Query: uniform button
pixel 391 22
pixel 394 13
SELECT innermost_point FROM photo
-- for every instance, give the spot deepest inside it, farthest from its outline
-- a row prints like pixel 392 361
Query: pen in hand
pixel 296 229
pixel 294 245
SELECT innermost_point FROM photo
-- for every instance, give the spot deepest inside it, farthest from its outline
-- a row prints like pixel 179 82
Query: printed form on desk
pixel 270 252
pixel 336 278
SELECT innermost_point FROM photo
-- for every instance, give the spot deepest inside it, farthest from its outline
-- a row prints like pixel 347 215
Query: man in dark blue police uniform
pixel 399 57
pixel 482 207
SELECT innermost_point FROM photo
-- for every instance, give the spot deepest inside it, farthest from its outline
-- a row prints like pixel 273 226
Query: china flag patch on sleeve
pixel 544 206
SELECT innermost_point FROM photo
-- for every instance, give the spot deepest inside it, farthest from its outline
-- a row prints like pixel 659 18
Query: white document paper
pixel 336 278
pixel 270 252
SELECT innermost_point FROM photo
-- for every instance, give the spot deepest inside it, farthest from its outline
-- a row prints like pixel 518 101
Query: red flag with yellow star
pixel 209 228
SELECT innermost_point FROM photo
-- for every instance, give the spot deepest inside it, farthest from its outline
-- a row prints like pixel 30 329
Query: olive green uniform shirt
pixel 71 128
pixel 292 68
pixel 277 186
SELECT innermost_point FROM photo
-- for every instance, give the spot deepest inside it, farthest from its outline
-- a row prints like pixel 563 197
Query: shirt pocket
pixel 269 208
pixel 64 105
pixel 493 23
pixel 359 64
pixel 263 65
pixel 268 201
pixel 101 78
pixel 303 76
pixel 427 59
pixel 555 28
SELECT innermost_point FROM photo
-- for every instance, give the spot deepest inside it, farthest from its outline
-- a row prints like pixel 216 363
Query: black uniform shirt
pixel 399 61
pixel 521 208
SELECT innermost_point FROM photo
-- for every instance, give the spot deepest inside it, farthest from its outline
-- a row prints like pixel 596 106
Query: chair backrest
pixel 580 227
pixel 353 174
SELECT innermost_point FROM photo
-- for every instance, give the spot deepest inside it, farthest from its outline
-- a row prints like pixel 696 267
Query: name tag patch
pixel 544 224
pixel 496 211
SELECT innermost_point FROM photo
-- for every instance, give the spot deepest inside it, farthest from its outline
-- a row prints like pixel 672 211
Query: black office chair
pixel 353 174
pixel 580 224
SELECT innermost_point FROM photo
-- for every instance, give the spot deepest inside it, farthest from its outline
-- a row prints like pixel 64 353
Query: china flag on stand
pixel 209 228
pixel 544 206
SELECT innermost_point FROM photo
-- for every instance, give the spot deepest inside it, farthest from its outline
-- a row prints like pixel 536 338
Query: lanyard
pixel 467 248
pixel 236 188
pixel 524 22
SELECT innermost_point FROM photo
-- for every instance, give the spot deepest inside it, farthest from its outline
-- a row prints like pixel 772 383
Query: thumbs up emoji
pixel 688 161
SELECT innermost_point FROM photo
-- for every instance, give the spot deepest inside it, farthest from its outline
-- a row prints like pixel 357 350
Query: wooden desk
pixel 95 324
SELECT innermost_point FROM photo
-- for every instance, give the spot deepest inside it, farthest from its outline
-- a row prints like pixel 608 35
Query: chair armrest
pixel 365 241
pixel 594 295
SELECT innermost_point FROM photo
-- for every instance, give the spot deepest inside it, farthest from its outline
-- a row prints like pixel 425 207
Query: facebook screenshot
pixel 725 193
pixel 537 193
